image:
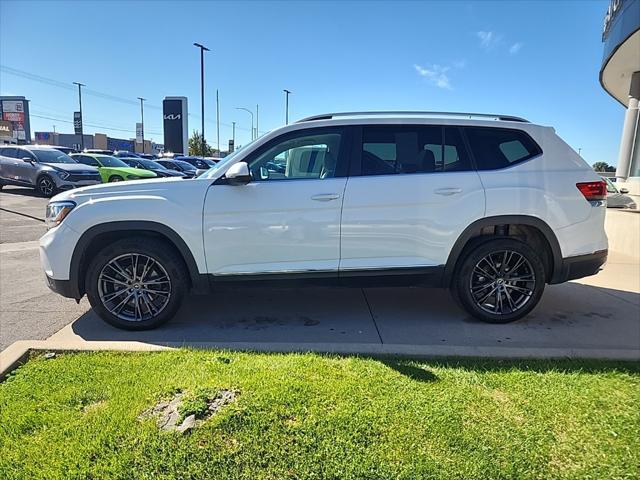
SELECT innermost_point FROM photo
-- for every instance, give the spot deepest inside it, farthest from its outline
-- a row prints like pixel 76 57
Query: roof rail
pixel 328 116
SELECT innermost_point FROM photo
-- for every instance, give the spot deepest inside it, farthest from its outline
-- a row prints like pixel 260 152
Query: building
pixel 620 77
pixel 16 127
pixel 97 140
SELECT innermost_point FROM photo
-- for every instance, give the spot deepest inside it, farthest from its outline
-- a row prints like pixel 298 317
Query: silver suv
pixel 46 169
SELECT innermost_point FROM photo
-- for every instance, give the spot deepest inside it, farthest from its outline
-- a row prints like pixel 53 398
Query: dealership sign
pixel 77 123
pixel 175 115
pixel 139 133
pixel 13 106
pixel 6 129
pixel 615 6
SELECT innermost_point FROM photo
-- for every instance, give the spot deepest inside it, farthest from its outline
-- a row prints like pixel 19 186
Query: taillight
pixel 593 190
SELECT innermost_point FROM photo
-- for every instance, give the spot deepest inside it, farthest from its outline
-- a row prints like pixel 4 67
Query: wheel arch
pixel 96 237
pixel 501 223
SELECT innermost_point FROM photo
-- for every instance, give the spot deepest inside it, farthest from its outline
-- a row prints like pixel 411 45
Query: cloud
pixel 488 39
pixel 515 48
pixel 436 74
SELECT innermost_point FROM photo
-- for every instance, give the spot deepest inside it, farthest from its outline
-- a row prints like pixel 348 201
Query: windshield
pixel 611 188
pixel 108 161
pixel 152 165
pixel 222 163
pixel 52 156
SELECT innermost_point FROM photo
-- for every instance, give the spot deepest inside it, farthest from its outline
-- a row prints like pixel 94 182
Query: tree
pixel 195 145
pixel 603 167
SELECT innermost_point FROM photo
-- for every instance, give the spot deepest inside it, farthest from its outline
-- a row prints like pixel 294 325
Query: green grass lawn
pixel 314 416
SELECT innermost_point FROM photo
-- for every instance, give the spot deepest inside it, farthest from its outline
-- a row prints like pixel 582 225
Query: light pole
pixel 80 85
pixel 286 106
pixel 250 113
pixel 233 134
pixel 142 119
pixel 202 50
pixel 257 118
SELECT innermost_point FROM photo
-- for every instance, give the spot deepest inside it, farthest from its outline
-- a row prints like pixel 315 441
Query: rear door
pixel 287 219
pixel 412 193
pixel 8 163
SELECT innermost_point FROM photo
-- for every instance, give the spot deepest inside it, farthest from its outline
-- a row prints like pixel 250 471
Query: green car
pixel 112 169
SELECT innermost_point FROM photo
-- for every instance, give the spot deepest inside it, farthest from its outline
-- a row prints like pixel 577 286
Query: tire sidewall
pixel 161 253
pixel 112 179
pixel 474 255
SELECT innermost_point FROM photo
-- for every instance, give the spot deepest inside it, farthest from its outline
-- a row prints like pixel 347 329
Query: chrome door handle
pixel 325 197
pixel 448 191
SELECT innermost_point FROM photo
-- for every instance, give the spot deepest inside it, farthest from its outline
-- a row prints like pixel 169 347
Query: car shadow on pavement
pixel 570 315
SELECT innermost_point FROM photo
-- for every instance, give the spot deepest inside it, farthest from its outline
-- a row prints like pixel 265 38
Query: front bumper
pixel 63 287
pixel 64 185
pixel 581 266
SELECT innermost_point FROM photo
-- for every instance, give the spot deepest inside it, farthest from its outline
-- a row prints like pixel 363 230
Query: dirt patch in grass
pixel 187 410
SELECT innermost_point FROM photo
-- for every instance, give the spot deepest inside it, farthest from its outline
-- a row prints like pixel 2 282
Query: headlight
pixel 133 177
pixel 56 213
pixel 62 175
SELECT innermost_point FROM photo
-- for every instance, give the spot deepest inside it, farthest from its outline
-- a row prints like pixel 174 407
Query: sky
pixel 539 60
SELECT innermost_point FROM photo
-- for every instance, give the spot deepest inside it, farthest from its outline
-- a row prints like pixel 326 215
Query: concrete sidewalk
pixel 578 319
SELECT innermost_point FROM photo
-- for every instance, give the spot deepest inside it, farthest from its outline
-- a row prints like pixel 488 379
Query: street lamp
pixel 80 85
pixel 142 119
pixel 202 50
pixel 257 119
pixel 250 113
pixel 286 106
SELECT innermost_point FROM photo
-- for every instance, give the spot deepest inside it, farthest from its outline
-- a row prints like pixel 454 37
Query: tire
pixel 115 178
pixel 137 309
pixel 45 186
pixel 492 293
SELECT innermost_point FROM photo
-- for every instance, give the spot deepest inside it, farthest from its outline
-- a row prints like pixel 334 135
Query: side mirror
pixel 27 159
pixel 238 174
pixel 624 190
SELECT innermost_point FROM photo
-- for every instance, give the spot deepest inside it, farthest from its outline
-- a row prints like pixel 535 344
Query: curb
pixel 17 353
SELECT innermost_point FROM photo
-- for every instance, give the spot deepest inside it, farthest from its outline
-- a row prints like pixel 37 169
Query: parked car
pixel 98 151
pixel 125 154
pixel 198 162
pixel 152 166
pixel 491 206
pixel 148 156
pixel 67 150
pixel 46 169
pixel 184 167
pixel 112 169
pixel 618 198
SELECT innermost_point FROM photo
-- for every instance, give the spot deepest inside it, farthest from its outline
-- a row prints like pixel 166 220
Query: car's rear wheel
pixel 136 284
pixel 499 281
pixel 45 186
pixel 115 178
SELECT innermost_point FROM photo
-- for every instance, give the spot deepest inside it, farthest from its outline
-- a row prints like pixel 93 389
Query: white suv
pixel 491 206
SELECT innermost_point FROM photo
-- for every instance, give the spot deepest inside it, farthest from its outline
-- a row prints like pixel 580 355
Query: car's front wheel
pixel 115 178
pixel 499 280
pixel 136 284
pixel 45 186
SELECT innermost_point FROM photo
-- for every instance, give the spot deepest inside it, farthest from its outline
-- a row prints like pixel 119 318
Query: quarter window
pixel 303 156
pixel 495 148
pixel 413 149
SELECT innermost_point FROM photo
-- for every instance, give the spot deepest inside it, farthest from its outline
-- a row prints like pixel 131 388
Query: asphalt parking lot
pixel 596 316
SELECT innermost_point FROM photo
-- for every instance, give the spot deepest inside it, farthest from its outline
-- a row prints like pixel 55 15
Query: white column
pixel 629 131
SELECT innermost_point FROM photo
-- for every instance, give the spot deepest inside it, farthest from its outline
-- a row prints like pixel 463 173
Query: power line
pixel 94 125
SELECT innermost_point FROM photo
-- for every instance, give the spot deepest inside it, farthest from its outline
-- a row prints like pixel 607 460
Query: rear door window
pixel 413 149
pixel 8 152
pixel 495 148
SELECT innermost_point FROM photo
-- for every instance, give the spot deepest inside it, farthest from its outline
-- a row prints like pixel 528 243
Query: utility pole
pixel 142 119
pixel 233 135
pixel 80 85
pixel 257 117
pixel 54 129
pixel 250 113
pixel 202 50
pixel 218 119
pixel 286 106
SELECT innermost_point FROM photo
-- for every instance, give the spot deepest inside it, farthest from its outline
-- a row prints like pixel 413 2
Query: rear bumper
pixel 580 266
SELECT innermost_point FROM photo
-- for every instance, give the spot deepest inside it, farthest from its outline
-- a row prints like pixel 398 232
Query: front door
pixel 413 194
pixel 287 219
pixel 26 170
